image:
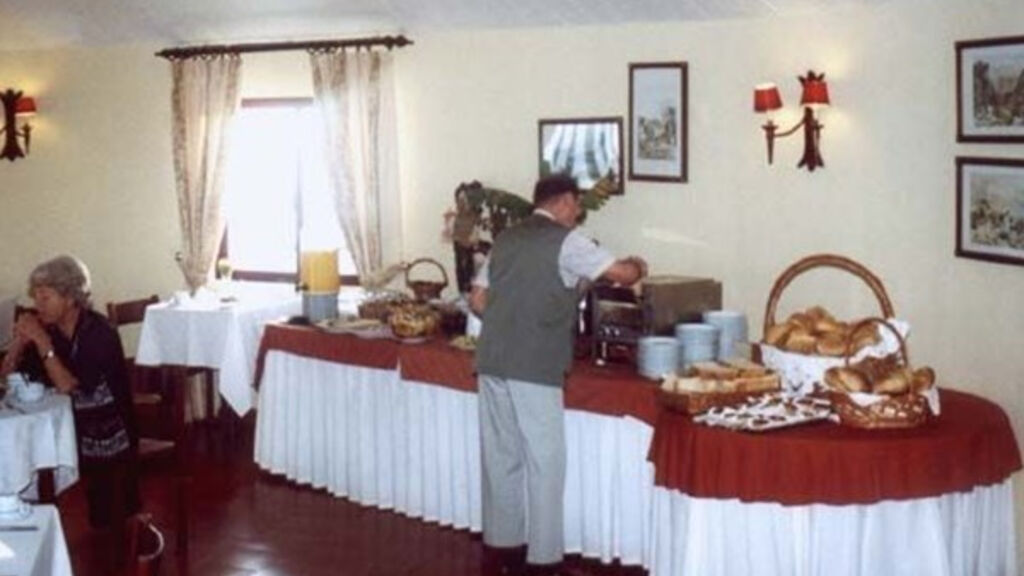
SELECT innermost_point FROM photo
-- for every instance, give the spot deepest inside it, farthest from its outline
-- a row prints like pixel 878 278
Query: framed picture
pixel 588 149
pixel 990 90
pixel 990 209
pixel 657 122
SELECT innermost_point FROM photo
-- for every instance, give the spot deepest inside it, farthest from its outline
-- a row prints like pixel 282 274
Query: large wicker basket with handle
pixel 905 410
pixel 426 290
pixel 802 372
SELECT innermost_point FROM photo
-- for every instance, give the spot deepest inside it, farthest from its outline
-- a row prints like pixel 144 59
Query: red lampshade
pixel 815 90
pixel 26 106
pixel 766 98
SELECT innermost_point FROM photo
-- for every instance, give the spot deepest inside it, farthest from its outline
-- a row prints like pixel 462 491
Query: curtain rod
pixel 388 42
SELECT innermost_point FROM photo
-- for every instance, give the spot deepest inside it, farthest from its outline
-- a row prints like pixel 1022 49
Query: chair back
pixel 145 546
pixel 130 311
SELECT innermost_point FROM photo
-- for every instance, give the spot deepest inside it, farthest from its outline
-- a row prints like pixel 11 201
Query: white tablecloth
pixel 225 337
pixel 39 552
pixel 367 435
pixel 35 436
pixel 963 534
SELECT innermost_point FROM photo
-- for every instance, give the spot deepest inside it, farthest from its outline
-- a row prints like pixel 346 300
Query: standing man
pixel 527 295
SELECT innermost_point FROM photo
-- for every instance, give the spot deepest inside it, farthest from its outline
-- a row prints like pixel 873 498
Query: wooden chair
pixel 145 547
pixel 145 379
pixel 161 439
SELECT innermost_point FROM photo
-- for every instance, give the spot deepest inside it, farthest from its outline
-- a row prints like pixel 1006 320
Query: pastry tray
pixel 768 412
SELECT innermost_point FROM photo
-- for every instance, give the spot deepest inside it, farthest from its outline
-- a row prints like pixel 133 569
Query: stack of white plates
pixel 697 343
pixel 732 328
pixel 657 356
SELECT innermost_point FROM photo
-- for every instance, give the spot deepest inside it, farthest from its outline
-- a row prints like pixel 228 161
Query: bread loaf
pixel 714 370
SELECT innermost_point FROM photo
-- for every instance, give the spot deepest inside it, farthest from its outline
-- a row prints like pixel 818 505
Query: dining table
pixel 37 439
pixel 221 332
pixel 393 424
pixel 34 545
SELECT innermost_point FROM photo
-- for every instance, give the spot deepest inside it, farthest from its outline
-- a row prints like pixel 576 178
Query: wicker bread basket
pixel 802 372
pixel 426 290
pixel 898 411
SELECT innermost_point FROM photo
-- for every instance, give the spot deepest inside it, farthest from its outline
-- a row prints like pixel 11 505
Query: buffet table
pixel 829 500
pixel 395 426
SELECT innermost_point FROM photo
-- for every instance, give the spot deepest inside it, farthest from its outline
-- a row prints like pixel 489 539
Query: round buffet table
pixel 826 499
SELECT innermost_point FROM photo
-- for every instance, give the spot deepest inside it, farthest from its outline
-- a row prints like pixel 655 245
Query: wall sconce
pixel 813 95
pixel 16 107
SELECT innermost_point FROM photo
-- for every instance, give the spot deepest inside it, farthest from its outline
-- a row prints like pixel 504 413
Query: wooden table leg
pixel 47 486
pixel 183 473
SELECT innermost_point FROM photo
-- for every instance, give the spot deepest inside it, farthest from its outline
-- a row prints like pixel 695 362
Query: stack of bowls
pixel 732 328
pixel 657 356
pixel 697 343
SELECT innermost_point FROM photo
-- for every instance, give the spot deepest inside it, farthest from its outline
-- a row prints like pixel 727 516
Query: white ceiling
pixel 29 24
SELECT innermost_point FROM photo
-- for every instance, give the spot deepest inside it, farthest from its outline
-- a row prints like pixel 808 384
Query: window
pixel 277 199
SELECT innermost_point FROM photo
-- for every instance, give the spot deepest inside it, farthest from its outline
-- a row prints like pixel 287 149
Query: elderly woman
pixel 70 346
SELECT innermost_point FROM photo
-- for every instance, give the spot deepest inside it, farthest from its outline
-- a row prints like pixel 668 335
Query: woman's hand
pixel 29 328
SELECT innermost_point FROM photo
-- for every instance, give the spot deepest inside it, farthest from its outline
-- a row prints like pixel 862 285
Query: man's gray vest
pixel 528 323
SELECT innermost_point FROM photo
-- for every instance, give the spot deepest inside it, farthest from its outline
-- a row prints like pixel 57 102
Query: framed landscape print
pixel 990 90
pixel 588 149
pixel 657 122
pixel 990 209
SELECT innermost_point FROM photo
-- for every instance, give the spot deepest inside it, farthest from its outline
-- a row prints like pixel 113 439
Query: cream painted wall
pixel 99 181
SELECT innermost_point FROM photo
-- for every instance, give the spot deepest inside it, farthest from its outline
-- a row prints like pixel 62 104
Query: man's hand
pixel 626 271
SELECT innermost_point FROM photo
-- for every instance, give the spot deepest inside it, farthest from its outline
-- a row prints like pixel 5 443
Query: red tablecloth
pixel 970 444
pixel 616 391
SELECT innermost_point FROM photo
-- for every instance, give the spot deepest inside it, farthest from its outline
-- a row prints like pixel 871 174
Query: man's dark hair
pixel 552 186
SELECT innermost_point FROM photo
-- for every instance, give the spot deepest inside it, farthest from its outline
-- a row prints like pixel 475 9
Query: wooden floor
pixel 245 522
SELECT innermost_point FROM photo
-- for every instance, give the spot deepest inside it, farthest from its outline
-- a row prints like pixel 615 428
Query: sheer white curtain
pixel 204 100
pixel 355 93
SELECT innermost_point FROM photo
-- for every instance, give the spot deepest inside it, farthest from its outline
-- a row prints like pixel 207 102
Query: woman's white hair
pixel 65 274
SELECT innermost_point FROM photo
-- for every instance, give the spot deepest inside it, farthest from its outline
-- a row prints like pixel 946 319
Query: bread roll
pixel 801 340
pixel 776 334
pixel 846 380
pixel 802 320
pixel 897 382
pixel 865 336
pixel 818 313
pixel 831 344
pixel 922 379
pixel 828 326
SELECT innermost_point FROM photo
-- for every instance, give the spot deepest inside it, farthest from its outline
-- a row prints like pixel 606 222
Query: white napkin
pixel 5 551
pixel 203 299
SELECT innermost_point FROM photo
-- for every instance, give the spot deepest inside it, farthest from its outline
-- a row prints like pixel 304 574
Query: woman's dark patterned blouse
pixel 102 401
